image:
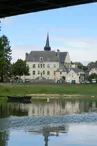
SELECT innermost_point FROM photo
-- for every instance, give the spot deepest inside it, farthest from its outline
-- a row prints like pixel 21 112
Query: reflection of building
pixel 46 109
pixel 53 131
pixel 57 108
pixel 48 131
pixel 51 109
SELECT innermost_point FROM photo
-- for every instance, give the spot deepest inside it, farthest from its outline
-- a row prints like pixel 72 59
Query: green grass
pixel 23 89
pixel 3 99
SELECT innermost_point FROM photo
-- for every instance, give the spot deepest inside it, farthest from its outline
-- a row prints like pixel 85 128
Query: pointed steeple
pixel 47 46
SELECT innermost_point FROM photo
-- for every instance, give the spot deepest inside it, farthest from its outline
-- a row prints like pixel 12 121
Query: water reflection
pixel 46 132
pixel 3 138
pixel 51 123
pixel 47 109
pixel 50 131
pixel 53 131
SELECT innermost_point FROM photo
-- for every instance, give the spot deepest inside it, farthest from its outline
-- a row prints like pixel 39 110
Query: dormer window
pixel 41 58
pixel 48 59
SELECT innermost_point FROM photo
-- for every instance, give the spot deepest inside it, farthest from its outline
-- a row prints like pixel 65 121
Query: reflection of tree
pixel 3 138
pixel 53 131
pixel 7 109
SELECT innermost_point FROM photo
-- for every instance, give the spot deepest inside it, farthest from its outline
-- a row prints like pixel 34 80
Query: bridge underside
pixel 15 7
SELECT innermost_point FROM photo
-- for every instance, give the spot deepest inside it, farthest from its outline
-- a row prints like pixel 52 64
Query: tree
pixel 90 64
pixel 5 58
pixel 19 68
pixel 85 68
pixel 92 76
pixel 80 65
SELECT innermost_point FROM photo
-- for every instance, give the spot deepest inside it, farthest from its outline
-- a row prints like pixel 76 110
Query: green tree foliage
pixel 20 68
pixel 85 68
pixel 92 76
pixel 80 65
pixel 5 58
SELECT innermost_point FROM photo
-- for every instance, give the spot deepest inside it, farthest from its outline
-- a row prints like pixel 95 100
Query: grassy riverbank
pixel 69 89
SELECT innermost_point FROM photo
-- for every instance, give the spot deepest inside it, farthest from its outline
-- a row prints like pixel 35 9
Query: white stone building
pixel 51 65
pixel 47 64
pixel 75 75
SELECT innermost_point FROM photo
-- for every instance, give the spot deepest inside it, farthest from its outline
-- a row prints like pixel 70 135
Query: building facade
pixel 47 64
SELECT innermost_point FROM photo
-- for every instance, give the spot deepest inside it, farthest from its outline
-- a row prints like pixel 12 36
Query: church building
pixel 47 64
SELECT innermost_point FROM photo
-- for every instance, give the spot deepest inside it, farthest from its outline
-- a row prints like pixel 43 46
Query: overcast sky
pixel 72 29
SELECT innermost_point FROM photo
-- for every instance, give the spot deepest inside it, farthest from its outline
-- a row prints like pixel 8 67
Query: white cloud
pixel 18 51
pixel 80 49
pixel 6 20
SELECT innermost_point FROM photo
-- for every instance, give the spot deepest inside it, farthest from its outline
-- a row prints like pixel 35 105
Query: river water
pixel 57 123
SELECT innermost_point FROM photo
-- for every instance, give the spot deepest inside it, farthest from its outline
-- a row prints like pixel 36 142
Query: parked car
pixel 19 81
pixel 83 82
pixel 27 80
pixel 60 81
pixel 16 80
pixel 87 82
pixel 94 81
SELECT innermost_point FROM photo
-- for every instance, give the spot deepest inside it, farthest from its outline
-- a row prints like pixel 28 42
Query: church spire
pixel 47 46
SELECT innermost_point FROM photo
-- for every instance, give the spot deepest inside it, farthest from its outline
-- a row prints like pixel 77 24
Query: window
pixel 34 72
pixel 38 72
pixel 48 65
pixel 43 72
pixel 48 73
pixel 54 65
pixel 60 73
pixel 33 65
pixel 43 65
pixel 48 59
pixel 41 59
pixel 38 65
pixel 54 73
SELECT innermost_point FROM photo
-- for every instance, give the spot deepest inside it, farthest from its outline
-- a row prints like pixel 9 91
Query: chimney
pixel 26 55
pixel 58 54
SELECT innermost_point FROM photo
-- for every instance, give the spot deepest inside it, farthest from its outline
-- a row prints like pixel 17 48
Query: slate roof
pixel 77 70
pixel 62 67
pixel 92 66
pixel 48 56
pixel 62 56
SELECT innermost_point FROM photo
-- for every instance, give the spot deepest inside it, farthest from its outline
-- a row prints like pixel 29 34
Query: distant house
pixel 61 72
pixel 72 76
pixel 75 75
pixel 80 73
pixel 92 69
